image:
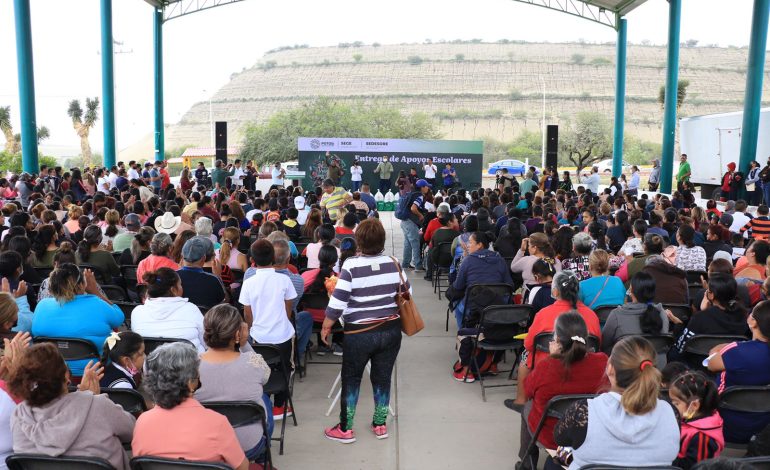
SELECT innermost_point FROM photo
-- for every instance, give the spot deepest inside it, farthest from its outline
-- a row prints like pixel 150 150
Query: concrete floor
pixel 440 423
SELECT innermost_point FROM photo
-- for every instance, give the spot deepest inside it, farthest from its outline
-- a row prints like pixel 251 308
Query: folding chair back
pixel 701 345
pixel 556 408
pixel 71 349
pixel 500 323
pixel 279 382
pixel 603 312
pixel 694 277
pixel 758 463
pixel 746 398
pixel 157 463
pixel 612 467
pixel 127 308
pixel 101 276
pixel 480 296
pixel 114 293
pixel 128 271
pixel 152 343
pixel 238 413
pixel 45 462
pixel 661 343
pixel 130 400
pixel 43 271
pixel 681 311
pixel 444 255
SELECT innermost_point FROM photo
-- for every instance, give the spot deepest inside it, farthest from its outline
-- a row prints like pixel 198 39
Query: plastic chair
pixel 243 413
pixel 694 277
pixel 157 463
pixel 745 399
pixel 71 349
pixel 43 271
pixel 114 293
pixel 603 312
pixel 130 400
pixel 127 308
pixel 152 343
pixel 498 321
pixel 46 462
pixel 700 346
pixel 661 343
pixel 441 268
pixel 681 311
pixel 133 288
pixel 503 292
pixel 101 277
pixel 279 382
pixel 759 463
pixel 556 408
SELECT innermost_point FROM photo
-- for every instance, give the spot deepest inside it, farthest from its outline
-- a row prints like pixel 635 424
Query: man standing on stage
pixel 430 172
pixel 384 169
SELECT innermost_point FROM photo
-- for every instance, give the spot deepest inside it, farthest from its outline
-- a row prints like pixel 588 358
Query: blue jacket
pixel 482 267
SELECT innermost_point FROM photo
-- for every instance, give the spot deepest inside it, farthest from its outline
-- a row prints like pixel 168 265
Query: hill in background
pixel 474 90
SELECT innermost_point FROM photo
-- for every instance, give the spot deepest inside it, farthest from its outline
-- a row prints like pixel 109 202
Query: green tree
pixel 12 161
pixel 358 57
pixel 586 139
pixel 459 57
pixel 681 94
pixel 276 139
pixel 82 122
pixel 7 129
pixel 578 58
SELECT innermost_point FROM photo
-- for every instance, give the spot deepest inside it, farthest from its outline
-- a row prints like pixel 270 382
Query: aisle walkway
pixel 440 423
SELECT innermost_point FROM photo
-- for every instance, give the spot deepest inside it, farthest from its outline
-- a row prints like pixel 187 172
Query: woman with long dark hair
pixel 90 251
pixel 569 369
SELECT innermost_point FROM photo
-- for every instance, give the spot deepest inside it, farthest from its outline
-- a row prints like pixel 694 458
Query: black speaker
pixel 220 130
pixel 552 147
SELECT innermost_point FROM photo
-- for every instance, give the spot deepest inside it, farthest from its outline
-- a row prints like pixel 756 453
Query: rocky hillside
pixel 473 90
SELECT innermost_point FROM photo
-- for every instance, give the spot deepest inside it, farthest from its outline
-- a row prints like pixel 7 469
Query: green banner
pixel 316 154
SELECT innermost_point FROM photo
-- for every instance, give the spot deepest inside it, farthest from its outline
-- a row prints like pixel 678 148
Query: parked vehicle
pixel 605 166
pixel 515 167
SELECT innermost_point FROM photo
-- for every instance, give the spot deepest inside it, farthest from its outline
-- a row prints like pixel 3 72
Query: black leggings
pixel 380 346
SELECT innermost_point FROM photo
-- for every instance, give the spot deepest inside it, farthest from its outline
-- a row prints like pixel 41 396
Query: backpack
pixel 405 207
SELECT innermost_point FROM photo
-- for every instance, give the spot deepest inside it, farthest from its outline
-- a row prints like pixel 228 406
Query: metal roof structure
pixel 606 12
pixel 178 8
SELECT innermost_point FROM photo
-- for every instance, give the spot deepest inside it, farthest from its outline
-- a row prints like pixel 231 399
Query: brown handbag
pixel 411 320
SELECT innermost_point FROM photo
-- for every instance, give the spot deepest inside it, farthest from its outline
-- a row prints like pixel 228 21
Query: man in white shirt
pixel 430 172
pixel 113 177
pixel 102 182
pixel 740 219
pixel 238 175
pixel 277 173
pixel 633 185
pixel 592 181
pixel 133 171
pixel 267 308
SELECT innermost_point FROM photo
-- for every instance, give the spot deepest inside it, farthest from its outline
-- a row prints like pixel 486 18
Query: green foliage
pixel 414 60
pixel 467 114
pixel 601 61
pixel 176 152
pixel 276 139
pixel 577 59
pixel 267 65
pixel 12 162
pixel 459 57
pixel 376 44
pixel 287 48
pixel 358 57
pixel 525 145
pixel 639 152
pixel 585 96
pixel 681 94
pixel 586 139
pixel 515 95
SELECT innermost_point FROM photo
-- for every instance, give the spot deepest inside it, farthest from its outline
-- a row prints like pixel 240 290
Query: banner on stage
pixel 317 153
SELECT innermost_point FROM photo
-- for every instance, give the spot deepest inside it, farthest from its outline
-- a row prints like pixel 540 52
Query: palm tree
pixel 6 127
pixel 42 134
pixel 82 122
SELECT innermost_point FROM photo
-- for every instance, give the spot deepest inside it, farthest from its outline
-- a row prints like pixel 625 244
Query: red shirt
pixel 544 321
pixel 165 178
pixel 433 225
pixel 550 379
pixel 343 231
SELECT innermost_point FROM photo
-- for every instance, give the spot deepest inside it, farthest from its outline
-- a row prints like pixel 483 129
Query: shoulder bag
pixel 411 320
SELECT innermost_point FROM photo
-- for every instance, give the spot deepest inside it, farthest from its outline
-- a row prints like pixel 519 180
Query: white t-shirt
pixel 103 184
pixel 112 178
pixel 277 180
pixel 430 171
pixel 266 292
pixel 739 220
pixel 7 406
pixel 237 173
pixel 355 173
pixel 133 174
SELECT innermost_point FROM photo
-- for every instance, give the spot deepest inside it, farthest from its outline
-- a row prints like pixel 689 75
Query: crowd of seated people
pixel 218 271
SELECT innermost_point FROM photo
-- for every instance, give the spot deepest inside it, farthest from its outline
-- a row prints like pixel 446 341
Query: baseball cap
pixel 299 202
pixel 133 220
pixel 197 248
pixel 422 184
pixel 726 220
pixel 147 164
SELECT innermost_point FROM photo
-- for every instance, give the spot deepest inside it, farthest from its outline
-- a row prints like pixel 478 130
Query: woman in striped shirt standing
pixel 365 299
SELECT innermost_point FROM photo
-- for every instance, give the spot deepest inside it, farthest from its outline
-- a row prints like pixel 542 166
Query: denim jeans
pixel 379 346
pixel 411 243
pixel 256 452
pixel 303 324
pixel 766 191
pixel 356 185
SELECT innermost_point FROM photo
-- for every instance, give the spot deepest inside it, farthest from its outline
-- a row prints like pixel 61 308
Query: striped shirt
pixel 334 201
pixel 759 227
pixel 366 290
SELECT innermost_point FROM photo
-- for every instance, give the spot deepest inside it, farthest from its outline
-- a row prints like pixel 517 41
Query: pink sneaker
pixel 337 434
pixel 380 431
